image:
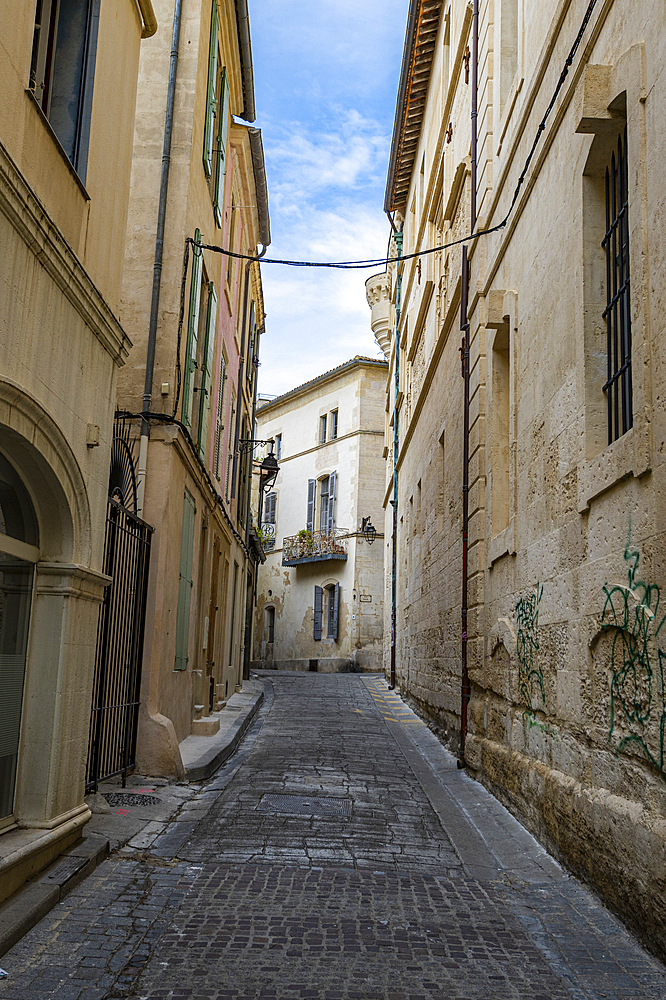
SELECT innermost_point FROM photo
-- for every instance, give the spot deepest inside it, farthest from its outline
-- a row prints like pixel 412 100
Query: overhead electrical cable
pixel 382 261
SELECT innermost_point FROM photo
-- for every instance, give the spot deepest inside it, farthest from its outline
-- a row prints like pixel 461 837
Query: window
pixel 333 601
pixel 327 492
pixel 230 457
pixel 323 503
pixel 322 429
pixel 318 612
pixel 185 582
pixel 278 446
pixel 231 261
pixel 62 71
pixel 217 120
pixel 219 425
pixel 617 314
pixel 269 521
pixel 205 368
pixel 334 424
pixel 500 430
pixel 252 360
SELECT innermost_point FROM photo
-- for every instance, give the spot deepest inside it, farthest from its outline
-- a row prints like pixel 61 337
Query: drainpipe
pixel 396 442
pixel 464 323
pixel 157 267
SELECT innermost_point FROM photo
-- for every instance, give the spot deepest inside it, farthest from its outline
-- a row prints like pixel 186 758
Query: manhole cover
pixel 307 805
pixel 64 870
pixel 131 799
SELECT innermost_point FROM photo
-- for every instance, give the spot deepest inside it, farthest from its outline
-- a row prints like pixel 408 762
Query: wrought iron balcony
pixel 314 546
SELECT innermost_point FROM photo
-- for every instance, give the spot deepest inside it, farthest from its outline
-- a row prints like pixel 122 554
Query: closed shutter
pixel 220 416
pixel 192 331
pixel 207 375
pixel 185 582
pixel 334 597
pixel 318 607
pixel 331 502
pixel 221 167
pixel 312 489
pixel 211 101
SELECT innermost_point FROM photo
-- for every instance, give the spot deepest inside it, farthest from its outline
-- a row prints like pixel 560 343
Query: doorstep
pixel 202 755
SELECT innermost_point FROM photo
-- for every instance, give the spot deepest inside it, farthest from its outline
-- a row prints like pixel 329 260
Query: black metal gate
pixel 116 691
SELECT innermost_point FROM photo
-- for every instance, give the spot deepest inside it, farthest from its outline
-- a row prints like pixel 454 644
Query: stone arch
pixel 33 443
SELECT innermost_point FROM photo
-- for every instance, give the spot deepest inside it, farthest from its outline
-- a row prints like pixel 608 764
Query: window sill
pixel 628 456
pixel 63 154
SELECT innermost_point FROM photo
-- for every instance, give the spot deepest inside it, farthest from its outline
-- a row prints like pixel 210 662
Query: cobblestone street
pixel 338 854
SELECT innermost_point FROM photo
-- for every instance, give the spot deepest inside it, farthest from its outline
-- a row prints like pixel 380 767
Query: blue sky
pixel 326 78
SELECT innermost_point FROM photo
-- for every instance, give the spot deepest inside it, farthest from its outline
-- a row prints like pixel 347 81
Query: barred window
pixel 617 314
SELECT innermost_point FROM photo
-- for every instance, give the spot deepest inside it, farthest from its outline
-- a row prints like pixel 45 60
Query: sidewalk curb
pixel 207 763
pixel 34 900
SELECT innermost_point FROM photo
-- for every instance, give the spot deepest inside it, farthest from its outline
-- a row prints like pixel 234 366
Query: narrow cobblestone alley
pixel 338 854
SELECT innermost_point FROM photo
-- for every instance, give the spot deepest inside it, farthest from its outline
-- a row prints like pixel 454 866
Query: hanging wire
pixel 351 265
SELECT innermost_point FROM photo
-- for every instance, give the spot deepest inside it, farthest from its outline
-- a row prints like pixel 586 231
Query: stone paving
pixel 429 889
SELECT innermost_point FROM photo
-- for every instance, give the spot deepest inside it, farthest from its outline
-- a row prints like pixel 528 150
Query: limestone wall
pixel 566 645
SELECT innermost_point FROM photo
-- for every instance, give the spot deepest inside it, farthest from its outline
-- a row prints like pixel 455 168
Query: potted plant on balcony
pixel 306 541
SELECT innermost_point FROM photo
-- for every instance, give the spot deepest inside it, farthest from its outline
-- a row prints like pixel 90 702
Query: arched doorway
pixel 19 552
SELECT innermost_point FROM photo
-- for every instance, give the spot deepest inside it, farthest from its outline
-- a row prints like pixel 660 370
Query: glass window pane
pixel 17 515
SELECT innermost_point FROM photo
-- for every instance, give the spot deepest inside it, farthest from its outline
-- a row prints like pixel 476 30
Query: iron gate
pixel 116 689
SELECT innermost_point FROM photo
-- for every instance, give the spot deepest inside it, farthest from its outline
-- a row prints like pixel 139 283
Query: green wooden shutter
pixel 185 582
pixel 192 331
pixel 211 101
pixel 220 417
pixel 221 157
pixel 312 488
pixel 207 374
pixel 318 608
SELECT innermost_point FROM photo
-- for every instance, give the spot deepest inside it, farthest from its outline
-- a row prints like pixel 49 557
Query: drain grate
pixel 64 870
pixel 131 799
pixel 319 807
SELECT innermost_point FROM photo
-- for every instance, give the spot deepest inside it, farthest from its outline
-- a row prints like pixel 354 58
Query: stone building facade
pixel 194 469
pixel 320 591
pixel 566 630
pixel 68 76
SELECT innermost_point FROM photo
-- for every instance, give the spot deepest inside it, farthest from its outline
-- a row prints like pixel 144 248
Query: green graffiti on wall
pixel 632 612
pixel 530 675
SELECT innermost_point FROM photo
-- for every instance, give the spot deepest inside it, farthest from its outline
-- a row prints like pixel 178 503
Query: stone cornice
pixel 30 219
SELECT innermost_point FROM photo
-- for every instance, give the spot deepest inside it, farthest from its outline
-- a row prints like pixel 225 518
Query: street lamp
pixel 369 530
pixel 268 471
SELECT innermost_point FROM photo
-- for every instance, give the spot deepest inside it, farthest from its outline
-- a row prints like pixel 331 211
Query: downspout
pixel 396 443
pixel 465 326
pixel 157 267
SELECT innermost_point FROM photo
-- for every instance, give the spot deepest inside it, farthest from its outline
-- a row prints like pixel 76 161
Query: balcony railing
pixel 314 546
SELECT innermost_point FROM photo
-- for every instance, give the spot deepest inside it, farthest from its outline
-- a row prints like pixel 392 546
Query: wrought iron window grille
pixel 617 313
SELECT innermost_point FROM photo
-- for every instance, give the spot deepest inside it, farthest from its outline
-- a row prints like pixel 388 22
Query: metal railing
pixel 311 545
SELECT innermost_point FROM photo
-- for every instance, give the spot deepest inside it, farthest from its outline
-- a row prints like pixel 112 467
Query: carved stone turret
pixel 378 294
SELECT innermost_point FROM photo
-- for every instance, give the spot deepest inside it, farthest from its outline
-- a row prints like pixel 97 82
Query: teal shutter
pixel 192 332
pixel 221 158
pixel 185 582
pixel 211 101
pixel 207 374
